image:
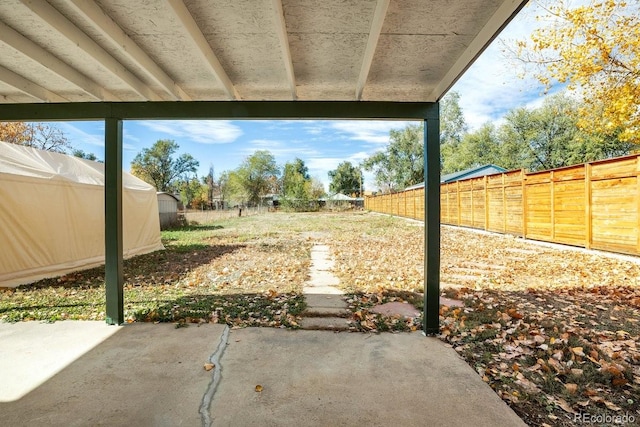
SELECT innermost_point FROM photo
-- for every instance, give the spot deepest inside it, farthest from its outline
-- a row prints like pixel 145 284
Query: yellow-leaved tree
pixel 594 49
pixel 37 135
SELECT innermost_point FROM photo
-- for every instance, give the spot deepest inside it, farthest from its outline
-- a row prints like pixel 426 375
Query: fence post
pixel 523 178
pixel 587 206
pixel 473 217
pixel 504 205
pixel 486 203
pixel 458 199
pixel 638 203
pixel 552 188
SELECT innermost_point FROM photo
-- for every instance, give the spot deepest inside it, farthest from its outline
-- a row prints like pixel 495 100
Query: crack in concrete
pixel 205 406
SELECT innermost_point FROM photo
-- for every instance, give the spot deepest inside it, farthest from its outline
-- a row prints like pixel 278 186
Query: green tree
pixel 476 149
pixel 257 176
pixel 401 164
pixel 317 189
pixel 453 128
pixel 84 155
pixel 295 174
pixel 346 179
pixel 158 166
pixel 296 186
pixel 210 181
pixel 193 193
pixel 543 138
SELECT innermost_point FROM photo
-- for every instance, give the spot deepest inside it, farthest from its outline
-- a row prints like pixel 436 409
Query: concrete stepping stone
pixel 326 310
pixel 323 278
pixel 395 308
pixel 326 301
pixel 323 305
pixel 324 323
pixel 322 290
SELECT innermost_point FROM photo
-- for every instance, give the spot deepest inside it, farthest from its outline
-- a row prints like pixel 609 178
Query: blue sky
pixel 489 89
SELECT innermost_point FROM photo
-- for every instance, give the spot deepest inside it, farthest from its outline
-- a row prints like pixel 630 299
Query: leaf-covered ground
pixel 554 332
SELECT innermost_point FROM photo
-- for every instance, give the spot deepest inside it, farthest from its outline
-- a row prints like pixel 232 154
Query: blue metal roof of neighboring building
pixel 465 174
pixel 472 173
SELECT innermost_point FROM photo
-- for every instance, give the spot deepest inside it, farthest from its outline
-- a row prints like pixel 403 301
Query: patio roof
pixel 115 60
pixel 217 50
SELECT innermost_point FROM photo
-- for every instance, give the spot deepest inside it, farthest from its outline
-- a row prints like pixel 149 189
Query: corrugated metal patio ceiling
pixel 216 50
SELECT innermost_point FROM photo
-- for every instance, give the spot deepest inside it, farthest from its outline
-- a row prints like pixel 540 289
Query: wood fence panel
pixel 420 205
pixel 445 211
pixel 514 202
pixel 454 209
pixel 614 205
pixel 514 220
pixel 538 206
pixel 402 204
pixel 569 219
pixel 496 203
pixel 614 214
pixel 569 206
pixel 465 193
pixel 479 198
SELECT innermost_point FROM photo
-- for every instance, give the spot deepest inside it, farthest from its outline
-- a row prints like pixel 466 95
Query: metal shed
pixel 167 209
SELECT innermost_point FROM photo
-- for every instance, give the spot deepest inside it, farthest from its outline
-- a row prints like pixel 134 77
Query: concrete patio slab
pixel 316 378
pixel 152 375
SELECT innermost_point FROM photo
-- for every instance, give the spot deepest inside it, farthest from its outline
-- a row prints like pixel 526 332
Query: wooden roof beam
pixel 372 42
pixel 68 29
pixel 126 46
pixel 28 87
pixel 190 25
pixel 281 29
pixel 36 53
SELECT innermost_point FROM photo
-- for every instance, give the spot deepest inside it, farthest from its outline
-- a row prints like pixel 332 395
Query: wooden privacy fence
pixel 594 205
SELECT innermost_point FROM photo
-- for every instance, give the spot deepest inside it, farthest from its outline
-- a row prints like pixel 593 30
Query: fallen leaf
pixel 258 388
pixel 619 381
pixel 612 406
pixel 578 351
pixel 565 406
pixel 571 388
pixel 209 366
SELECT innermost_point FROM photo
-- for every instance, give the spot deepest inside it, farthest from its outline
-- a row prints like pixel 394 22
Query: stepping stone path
pixel 326 309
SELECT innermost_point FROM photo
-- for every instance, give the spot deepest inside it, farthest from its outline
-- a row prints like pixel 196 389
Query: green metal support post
pixel 431 313
pixel 114 278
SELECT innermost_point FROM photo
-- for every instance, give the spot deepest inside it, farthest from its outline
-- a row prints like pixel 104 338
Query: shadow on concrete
pixel 143 374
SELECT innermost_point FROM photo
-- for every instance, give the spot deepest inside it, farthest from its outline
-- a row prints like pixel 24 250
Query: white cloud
pixel 492 86
pixel 200 131
pixel 77 135
pixel 372 132
pixel 280 149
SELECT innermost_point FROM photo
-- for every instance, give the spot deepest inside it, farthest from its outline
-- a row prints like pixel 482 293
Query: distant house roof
pixel 465 174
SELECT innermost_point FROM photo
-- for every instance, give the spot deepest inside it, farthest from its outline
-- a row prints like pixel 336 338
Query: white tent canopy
pixel 52 216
